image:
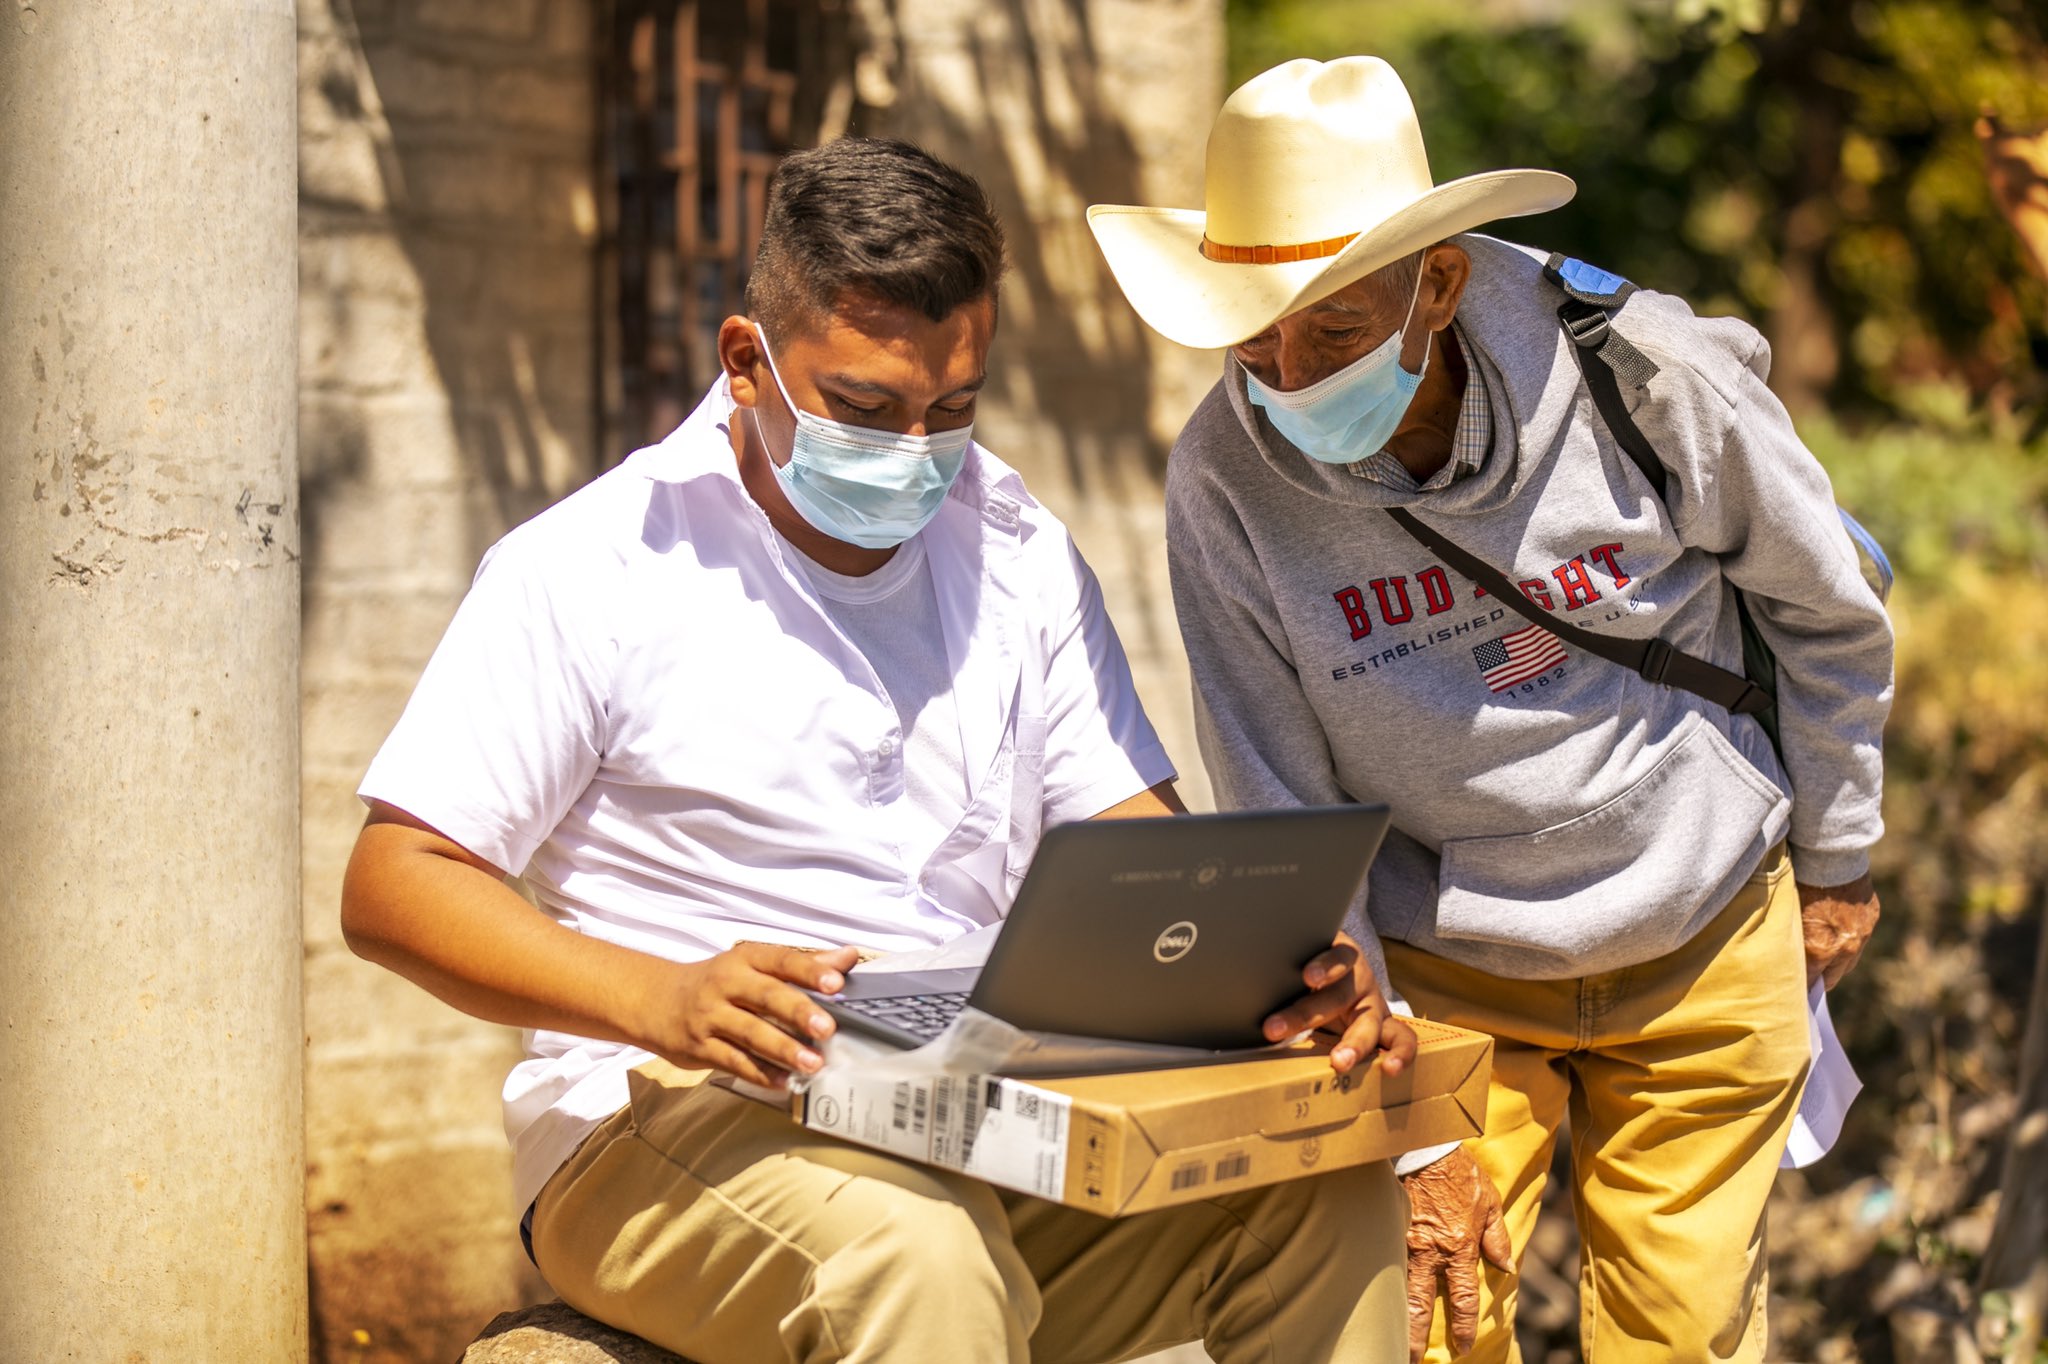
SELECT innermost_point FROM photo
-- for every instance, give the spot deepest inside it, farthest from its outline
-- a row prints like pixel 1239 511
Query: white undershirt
pixel 892 617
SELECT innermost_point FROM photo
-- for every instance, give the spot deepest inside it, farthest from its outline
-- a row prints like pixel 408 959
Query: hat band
pixel 1274 255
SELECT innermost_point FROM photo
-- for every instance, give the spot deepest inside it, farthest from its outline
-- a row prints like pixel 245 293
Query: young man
pixel 812 673
pixel 1587 863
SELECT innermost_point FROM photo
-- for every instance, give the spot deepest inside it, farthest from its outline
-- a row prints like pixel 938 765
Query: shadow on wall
pixel 447 379
pixel 451 235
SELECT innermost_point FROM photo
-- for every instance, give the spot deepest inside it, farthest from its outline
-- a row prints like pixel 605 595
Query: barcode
pixel 1188 1176
pixel 942 1103
pixel 1233 1167
pixel 899 1107
pixel 992 1096
pixel 917 1108
pixel 1027 1107
pixel 972 1127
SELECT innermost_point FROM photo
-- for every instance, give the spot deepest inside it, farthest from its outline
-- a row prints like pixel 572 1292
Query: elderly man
pixel 1408 547
pixel 813 671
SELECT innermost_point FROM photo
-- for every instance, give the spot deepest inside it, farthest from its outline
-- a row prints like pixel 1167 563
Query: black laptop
pixel 1189 930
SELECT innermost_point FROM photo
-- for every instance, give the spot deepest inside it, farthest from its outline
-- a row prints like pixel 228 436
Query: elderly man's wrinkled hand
pixel 1454 1218
pixel 1837 922
pixel 1345 997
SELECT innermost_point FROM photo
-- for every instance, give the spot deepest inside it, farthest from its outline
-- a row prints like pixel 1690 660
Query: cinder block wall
pixel 448 351
pixel 447 355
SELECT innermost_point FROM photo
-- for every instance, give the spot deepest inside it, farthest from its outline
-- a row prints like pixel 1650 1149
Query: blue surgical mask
pixel 870 488
pixel 1352 413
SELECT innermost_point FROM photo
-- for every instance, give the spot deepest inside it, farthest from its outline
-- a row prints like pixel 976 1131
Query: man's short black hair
pixel 876 217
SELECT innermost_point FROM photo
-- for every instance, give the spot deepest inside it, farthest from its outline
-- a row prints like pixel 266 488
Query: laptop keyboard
pixel 924 1015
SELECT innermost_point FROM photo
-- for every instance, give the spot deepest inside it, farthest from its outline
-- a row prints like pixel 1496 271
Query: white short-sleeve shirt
pixel 643 707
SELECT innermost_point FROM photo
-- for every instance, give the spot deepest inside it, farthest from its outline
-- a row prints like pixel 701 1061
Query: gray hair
pixel 1394 283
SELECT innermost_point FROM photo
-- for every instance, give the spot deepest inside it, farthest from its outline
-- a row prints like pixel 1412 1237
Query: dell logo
pixel 1176 942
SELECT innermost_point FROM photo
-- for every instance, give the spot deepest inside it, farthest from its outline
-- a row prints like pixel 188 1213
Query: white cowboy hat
pixel 1316 177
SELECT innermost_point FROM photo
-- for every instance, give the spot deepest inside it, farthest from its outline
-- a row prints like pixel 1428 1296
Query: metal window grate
pixel 702 99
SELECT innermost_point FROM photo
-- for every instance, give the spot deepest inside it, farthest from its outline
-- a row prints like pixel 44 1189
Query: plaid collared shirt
pixel 1469 443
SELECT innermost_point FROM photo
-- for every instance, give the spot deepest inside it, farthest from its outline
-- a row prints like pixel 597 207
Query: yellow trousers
pixel 714 1226
pixel 1681 1077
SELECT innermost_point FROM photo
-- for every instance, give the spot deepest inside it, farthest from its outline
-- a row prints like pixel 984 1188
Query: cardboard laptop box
pixel 1127 1142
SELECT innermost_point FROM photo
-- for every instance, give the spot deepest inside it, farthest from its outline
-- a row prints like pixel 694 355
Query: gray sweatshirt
pixel 1555 814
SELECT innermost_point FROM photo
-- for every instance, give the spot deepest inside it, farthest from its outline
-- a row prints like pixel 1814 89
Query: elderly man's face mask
pixel 1344 416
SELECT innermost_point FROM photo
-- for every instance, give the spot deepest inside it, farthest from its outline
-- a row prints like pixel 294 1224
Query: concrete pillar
pixel 151 1167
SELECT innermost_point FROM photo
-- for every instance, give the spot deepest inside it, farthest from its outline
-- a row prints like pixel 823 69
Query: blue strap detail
pixel 1591 281
pixel 1870 556
pixel 1588 284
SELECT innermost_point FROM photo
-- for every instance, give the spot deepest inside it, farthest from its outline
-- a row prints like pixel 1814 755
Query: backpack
pixel 1607 359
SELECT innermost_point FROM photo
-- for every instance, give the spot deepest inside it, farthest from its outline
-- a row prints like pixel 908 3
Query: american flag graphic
pixel 1516 657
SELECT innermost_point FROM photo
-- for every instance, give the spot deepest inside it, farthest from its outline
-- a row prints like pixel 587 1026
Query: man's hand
pixel 741 1011
pixel 1454 1217
pixel 1345 995
pixel 1837 921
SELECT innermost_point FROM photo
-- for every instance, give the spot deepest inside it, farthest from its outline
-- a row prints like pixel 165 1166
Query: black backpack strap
pixel 1606 358
pixel 1651 659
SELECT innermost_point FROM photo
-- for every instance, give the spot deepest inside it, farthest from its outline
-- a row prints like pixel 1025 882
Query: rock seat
pixel 556 1333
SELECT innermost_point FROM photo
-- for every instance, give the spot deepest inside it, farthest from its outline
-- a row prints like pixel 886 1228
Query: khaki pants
pixel 714 1226
pixel 1682 1077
